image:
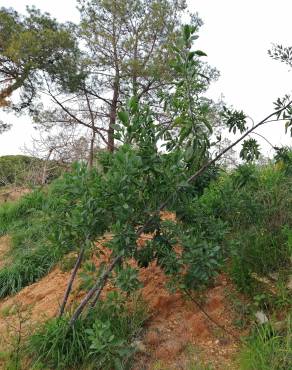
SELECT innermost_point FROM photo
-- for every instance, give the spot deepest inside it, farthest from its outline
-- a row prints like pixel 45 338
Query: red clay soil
pixel 177 333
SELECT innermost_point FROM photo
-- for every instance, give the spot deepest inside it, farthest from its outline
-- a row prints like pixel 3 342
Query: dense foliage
pixel 29 45
pixel 256 204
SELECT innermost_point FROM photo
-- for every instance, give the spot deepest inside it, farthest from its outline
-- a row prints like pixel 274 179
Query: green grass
pixel 27 267
pixel 47 224
pixel 103 339
pixel 24 208
pixel 32 254
pixel 268 350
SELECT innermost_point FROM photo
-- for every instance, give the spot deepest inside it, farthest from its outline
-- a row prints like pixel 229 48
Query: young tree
pixel 143 165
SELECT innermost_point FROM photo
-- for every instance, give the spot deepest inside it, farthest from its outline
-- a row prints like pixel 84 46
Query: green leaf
pixel 124 117
pixel 191 55
pixel 134 104
pixel 189 153
pixel 187 32
pixel 209 127
pixel 200 53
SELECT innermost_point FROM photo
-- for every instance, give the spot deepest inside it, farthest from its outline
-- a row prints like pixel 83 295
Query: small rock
pixel 274 276
pixel 140 346
pixel 289 283
pixel 261 317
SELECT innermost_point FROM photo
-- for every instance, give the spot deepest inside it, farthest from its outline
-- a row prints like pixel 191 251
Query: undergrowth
pixel 256 203
pixel 267 349
pixel 32 253
pixel 241 220
pixel 103 339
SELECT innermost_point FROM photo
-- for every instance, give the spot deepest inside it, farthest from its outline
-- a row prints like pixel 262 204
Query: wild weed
pixel 268 350
pixel 102 339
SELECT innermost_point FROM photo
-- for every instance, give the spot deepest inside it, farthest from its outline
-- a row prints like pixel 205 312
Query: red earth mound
pixel 177 334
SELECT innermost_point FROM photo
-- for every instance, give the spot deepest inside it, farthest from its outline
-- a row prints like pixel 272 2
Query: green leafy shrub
pixel 256 203
pixel 102 339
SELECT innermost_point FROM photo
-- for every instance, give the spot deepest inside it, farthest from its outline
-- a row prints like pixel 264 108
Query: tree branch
pixel 70 283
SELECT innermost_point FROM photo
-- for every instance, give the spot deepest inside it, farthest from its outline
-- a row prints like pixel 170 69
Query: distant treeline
pixel 22 170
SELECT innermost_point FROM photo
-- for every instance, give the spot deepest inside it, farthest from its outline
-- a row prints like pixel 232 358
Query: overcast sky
pixel 236 36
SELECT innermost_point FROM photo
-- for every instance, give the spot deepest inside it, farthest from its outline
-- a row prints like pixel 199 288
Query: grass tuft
pixel 268 350
pixel 103 339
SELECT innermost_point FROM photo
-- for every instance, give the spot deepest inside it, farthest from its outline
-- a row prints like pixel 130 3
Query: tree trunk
pixel 116 87
pixel 113 114
pixel 93 132
pixel 45 168
pixel 91 151
pixel 71 281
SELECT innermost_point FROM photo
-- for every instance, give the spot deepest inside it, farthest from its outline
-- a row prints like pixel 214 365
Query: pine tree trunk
pixel 91 150
pixel 113 115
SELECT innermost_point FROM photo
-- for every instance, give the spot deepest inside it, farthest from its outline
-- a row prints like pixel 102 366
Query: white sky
pixel 236 36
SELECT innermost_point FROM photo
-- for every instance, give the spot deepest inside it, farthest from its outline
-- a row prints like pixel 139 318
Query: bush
pixel 256 203
pixel 103 339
